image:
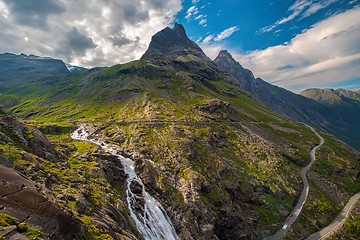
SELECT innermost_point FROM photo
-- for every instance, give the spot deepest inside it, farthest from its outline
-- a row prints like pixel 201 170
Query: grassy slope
pixel 255 143
pixel 339 165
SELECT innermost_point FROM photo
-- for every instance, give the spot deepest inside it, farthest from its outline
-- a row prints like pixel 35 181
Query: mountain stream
pixel 150 218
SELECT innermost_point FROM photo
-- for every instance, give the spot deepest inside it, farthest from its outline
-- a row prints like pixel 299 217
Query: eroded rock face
pixel 20 199
pixel 31 138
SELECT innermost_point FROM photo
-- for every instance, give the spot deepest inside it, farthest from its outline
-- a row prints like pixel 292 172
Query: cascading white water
pixel 150 218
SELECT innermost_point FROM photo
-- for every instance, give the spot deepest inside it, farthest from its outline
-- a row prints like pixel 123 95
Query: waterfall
pixel 150 217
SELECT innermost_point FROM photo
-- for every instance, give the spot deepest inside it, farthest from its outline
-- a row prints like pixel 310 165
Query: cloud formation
pixel 327 53
pixel 302 9
pixel 34 13
pixel 226 33
pixel 83 32
pixel 193 14
pixel 216 38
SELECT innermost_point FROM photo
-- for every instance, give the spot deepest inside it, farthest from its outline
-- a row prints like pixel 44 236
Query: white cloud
pixel 301 8
pixel 199 16
pixel 191 9
pixel 296 9
pixel 213 49
pixel 191 12
pixel 226 33
pixel 329 52
pixel 208 39
pixel 203 21
pixel 317 6
pixel 114 31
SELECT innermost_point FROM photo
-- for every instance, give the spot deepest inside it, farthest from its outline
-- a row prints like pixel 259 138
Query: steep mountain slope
pixel 55 190
pixel 25 149
pixel 335 120
pixel 343 109
pixel 222 165
pixel 20 69
pixel 276 98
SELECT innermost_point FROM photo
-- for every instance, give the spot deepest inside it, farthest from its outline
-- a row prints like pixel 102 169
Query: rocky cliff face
pixel 172 43
pixel 276 98
pixel 244 76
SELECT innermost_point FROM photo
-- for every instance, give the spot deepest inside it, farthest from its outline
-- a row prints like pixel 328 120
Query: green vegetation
pixel 7 220
pixel 337 162
pixel 32 233
pixel 94 233
pixel 350 230
pixel 201 142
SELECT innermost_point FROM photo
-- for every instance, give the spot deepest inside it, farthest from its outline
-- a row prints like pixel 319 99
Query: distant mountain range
pixel 202 136
pixel 20 69
pixel 340 97
pixel 356 90
pixel 334 111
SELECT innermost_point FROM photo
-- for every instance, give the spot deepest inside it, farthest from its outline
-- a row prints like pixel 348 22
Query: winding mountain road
pixel 304 194
pixel 338 222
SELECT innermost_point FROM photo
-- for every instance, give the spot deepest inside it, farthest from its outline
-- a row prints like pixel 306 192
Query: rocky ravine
pixel 55 197
pixel 200 204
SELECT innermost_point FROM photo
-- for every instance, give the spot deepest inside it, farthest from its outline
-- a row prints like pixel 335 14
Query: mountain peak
pixel 224 56
pixel 179 29
pixel 172 43
pixel 230 65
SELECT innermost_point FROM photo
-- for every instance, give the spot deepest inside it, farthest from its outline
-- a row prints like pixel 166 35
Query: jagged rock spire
pixel 172 43
pixel 230 65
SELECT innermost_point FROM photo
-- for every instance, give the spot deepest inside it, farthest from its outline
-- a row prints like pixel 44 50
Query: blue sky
pixel 295 44
pixel 256 20
pixel 249 29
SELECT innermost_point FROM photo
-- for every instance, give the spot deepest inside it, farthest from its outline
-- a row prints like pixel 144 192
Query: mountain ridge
pixel 331 96
pixel 21 69
pixel 300 107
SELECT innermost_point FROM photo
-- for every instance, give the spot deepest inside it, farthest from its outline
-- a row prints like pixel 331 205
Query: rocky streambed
pixel 150 218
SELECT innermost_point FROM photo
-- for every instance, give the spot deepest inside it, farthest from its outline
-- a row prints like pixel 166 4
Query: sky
pixel 295 44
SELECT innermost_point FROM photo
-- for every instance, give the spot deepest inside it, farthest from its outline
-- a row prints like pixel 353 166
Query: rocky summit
pixel 220 164
pixel 172 43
